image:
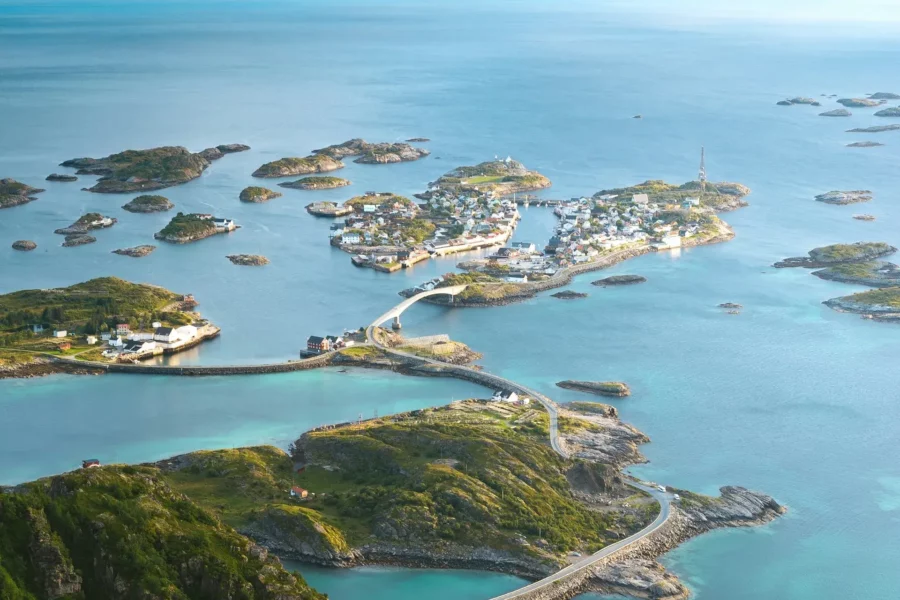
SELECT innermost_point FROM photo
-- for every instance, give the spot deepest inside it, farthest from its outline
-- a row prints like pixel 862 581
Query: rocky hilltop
pixel 142 170
pixel 257 194
pixel 284 167
pixel 316 183
pixel 87 222
pixel 844 198
pixel 838 254
pixel 368 153
pixel 13 193
pixel 149 204
pixel 123 532
pixel 603 388
pixel 502 177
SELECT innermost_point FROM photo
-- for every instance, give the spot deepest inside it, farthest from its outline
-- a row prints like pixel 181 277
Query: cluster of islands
pixel 871 101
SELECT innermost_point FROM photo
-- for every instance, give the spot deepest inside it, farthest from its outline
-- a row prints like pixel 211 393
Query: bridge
pixel 395 312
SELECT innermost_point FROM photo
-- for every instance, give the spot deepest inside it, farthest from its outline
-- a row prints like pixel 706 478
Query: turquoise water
pixel 788 397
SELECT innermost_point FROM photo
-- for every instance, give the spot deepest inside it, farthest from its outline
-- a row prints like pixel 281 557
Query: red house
pixel 90 463
pixel 318 344
pixel 64 345
pixel 298 492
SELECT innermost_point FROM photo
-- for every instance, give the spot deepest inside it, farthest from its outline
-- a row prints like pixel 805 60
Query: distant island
pixel 316 183
pixel 844 198
pixel 369 153
pixel 872 273
pixel 136 251
pixel 498 177
pixel 619 280
pixel 145 170
pixel 284 167
pixel 889 112
pixel 602 388
pixel 837 254
pixel 185 228
pixel 838 112
pixel 249 260
pixel 884 96
pixel 864 144
pixel 569 295
pixel 61 178
pixel 78 239
pixel 256 194
pixel 24 245
pixel 13 193
pixel 860 102
pixel 149 204
pixel 881 304
pixel 798 100
pixel 418 140
pixel 875 129
pixel 87 222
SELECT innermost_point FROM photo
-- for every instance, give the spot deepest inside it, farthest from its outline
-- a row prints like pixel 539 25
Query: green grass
pixel 850 252
pixel 478 179
pixel 885 297
pixel 190 225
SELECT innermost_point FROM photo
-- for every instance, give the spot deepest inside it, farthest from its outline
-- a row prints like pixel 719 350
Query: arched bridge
pixel 395 312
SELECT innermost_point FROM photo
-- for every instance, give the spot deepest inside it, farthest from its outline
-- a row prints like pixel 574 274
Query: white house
pixel 156 325
pixel 640 199
pixel 369 208
pixel 138 347
pixel 186 332
pixel 116 342
pixel 224 224
pixel 60 333
pixel 165 335
pixel 91 339
pixel 350 237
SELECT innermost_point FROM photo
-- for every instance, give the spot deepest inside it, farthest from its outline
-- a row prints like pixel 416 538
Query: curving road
pixel 663 498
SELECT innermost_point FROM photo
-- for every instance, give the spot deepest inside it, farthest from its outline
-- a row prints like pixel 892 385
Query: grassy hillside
pixel 122 532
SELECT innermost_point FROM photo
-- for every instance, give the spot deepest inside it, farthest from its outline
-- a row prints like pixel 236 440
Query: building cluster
pixel 221 224
pixel 319 345
pixel 126 344
pixel 400 233
pixel 510 398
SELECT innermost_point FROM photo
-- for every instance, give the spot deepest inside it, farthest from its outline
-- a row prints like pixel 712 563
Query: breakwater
pixel 201 370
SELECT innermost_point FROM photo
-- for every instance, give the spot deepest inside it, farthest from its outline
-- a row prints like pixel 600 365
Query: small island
pixel 186 228
pixel 78 239
pixel 248 260
pixel 889 112
pixel 329 209
pixel 619 280
pixel 875 129
pixel 865 144
pixel 860 102
pixel 497 177
pixel 284 167
pixel 316 183
pixel 864 217
pixel 838 254
pixel 61 178
pixel 875 273
pixel 418 140
pixel 884 303
pixel 601 388
pixel 374 154
pixel 731 306
pixel 256 194
pixel 136 251
pixel 24 245
pixel 798 100
pixel 884 96
pixel 844 198
pixel 149 204
pixel 13 193
pixel 141 170
pixel 87 222
pixel 838 112
pixel 569 295
pixel 217 152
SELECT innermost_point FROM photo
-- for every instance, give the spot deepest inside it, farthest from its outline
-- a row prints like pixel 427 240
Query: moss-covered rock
pixel 284 167
pixel 149 204
pixel 257 194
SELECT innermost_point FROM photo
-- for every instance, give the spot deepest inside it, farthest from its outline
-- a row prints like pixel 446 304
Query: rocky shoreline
pixel 843 198
pixel 14 193
pixel 614 280
pixel 838 254
pixel 248 260
pixel 136 251
pixel 40 367
pixel 616 389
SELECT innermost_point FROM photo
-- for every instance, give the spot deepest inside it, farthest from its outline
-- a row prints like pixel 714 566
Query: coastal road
pixel 664 500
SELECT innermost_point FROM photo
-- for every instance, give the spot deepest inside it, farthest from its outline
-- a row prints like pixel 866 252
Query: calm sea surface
pixel 789 397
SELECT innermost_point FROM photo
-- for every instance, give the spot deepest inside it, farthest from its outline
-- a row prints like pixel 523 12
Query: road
pixel 663 498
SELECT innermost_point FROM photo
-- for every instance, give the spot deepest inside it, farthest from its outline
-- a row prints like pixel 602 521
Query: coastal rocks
pixel 328 209
pixel 837 254
pixel 256 194
pixel 221 150
pixel 877 274
pixel 638 578
pixel 368 153
pixel 601 388
pixel 316 183
pixel 14 193
pixel 86 223
pixel 316 163
pixel 619 280
pixel 24 245
pixel 569 295
pixel 838 112
pixel 859 102
pixel 299 536
pixel 136 251
pixel 889 112
pixel 884 96
pixel 78 239
pixel 864 144
pixel 864 217
pixel 798 100
pixel 875 129
pixel 140 170
pixel 882 302
pixel 844 198
pixel 248 260
pixel 61 178
pixel 149 204
pixel 731 306
pixel 609 441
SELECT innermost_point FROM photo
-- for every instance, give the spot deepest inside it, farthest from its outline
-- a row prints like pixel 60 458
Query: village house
pixel 64 345
pixel 90 463
pixel 165 335
pixel 298 492
pixel 318 344
pixel 123 329
pixel 91 340
pixel 60 333
pixel 224 224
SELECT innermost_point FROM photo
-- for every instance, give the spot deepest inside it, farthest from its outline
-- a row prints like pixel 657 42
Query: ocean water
pixel 788 397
